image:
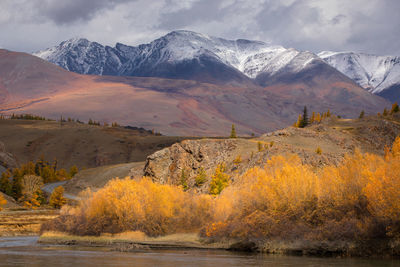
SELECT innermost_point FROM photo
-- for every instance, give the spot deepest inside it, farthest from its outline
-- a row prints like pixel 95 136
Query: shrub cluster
pixel 357 200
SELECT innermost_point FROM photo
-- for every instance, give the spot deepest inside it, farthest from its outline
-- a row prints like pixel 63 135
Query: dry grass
pixel 24 222
pixel 78 144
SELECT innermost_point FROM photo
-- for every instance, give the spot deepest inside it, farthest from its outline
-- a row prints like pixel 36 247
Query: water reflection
pixel 24 251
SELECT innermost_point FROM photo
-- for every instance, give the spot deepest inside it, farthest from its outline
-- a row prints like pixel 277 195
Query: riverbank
pixel 24 222
pixel 132 241
pixel 136 241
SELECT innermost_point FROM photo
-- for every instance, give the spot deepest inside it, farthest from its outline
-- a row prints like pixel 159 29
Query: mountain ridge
pixel 194 56
pixel 239 57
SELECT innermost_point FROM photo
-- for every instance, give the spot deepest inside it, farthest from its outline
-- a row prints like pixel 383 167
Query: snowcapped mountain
pixel 179 54
pixel 374 73
pixel 194 56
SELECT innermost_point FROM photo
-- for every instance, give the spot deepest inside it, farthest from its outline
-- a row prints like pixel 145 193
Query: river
pixel 25 251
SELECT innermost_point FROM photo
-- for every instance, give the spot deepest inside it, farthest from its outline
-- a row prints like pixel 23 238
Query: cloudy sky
pixel 371 26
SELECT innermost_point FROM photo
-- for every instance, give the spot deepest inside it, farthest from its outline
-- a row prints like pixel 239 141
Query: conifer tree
pixel 5 184
pixel 184 180
pixel 298 123
pixel 73 170
pixel 57 199
pixel 233 132
pixel 304 122
pixel 219 180
pixel 312 117
pixel 201 177
pixel 361 114
pixel 318 118
pixel 16 187
pixel 395 108
pixel 385 112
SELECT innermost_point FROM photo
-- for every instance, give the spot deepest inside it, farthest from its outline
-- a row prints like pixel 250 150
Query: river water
pixel 24 251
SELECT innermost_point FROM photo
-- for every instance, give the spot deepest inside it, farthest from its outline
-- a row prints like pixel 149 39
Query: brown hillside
pixel 78 144
pixel 173 107
pixel 335 137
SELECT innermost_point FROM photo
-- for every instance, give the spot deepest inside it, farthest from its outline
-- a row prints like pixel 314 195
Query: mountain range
pixel 183 83
pixel 190 55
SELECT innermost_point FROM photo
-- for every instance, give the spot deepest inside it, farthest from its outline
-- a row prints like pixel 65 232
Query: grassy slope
pixel 83 145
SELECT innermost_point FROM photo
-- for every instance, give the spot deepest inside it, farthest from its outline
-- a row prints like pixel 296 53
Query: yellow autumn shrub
pixel 383 188
pixel 2 202
pixel 286 199
pixel 129 205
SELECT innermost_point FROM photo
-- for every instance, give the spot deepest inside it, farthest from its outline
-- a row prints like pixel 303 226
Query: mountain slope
pixel 179 54
pixel 176 106
pixel 374 73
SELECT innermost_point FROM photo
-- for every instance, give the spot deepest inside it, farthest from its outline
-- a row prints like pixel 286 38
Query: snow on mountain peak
pixel 375 73
pixel 249 57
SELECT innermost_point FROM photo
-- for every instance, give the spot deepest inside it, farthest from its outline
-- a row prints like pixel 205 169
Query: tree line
pixel 24 184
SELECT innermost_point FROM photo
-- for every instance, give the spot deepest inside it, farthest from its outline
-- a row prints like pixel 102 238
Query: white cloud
pixel 369 26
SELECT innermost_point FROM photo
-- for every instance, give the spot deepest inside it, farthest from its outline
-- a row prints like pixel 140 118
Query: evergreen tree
pixel 385 112
pixel 298 123
pixel 361 115
pixel 219 180
pixel 184 180
pixel 312 117
pixel 233 132
pixel 395 108
pixel 304 122
pixel 201 177
pixel 5 183
pixel 73 170
pixel 16 187
pixel 57 199
pixel 318 118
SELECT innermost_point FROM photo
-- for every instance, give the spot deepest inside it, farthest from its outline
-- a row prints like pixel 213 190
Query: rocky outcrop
pixel 318 145
pixel 7 160
pixel 186 158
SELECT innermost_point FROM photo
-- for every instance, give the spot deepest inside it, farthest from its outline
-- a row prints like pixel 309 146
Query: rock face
pixel 7 160
pixel 166 165
pixel 334 138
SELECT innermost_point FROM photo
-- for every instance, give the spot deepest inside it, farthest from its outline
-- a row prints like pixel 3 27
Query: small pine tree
pixel 298 123
pixel 361 114
pixel 328 113
pixel 237 160
pixel 16 187
pixel 312 117
pixel 395 108
pixel 318 151
pixel 73 170
pixel 259 146
pixel 385 112
pixel 5 184
pixel 57 199
pixel 184 180
pixel 318 117
pixel 271 144
pixel 233 132
pixel 304 122
pixel 201 177
pixel 219 180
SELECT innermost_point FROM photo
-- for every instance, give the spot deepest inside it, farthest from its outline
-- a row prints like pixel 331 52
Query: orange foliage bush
pixel 357 200
pixel 2 202
pixel 128 205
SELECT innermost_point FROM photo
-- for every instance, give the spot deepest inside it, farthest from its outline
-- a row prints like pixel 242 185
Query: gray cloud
pixel 358 25
pixel 72 11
